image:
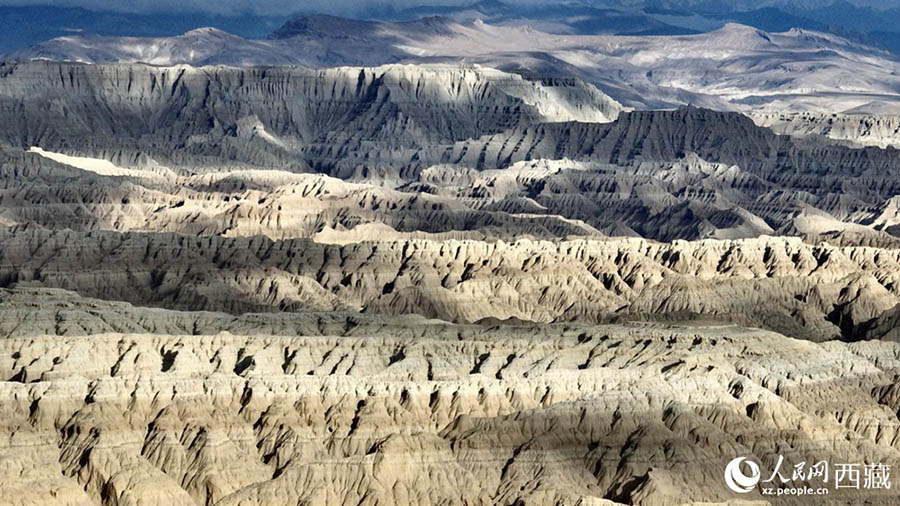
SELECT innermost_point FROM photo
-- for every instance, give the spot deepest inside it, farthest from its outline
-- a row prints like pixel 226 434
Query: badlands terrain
pixel 415 411
pixel 386 280
pixel 735 67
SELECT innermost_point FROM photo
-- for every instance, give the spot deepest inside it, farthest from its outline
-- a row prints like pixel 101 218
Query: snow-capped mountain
pixel 733 68
pixel 196 47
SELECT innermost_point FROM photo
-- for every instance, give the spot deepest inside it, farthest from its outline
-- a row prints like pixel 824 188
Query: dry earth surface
pixel 437 285
pixel 432 413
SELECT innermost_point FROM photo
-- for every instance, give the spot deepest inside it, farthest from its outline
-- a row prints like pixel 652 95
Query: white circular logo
pixel 737 480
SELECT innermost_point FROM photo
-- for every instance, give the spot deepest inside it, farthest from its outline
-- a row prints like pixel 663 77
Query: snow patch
pixel 96 165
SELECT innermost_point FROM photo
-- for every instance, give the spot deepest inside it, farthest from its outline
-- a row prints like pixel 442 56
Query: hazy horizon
pixel 357 7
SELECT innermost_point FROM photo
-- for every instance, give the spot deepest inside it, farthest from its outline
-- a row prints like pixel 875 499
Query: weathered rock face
pixel 388 120
pixel 814 292
pixel 687 197
pixel 734 68
pixel 643 415
pixel 185 115
pixel 466 152
pixel 367 289
pixel 880 130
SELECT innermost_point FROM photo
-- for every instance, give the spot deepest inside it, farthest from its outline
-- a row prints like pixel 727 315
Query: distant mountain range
pixel 26 26
pixel 736 67
pixel 873 24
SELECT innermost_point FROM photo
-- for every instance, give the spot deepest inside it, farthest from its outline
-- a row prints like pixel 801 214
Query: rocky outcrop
pixel 265 116
pixel 733 68
pixel 687 197
pixel 438 152
pixel 814 292
pixel 881 130
pixel 390 122
pixel 383 286
pixel 642 414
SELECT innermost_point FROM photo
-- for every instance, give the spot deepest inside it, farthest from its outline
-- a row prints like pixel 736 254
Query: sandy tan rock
pixel 816 292
pixel 635 414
